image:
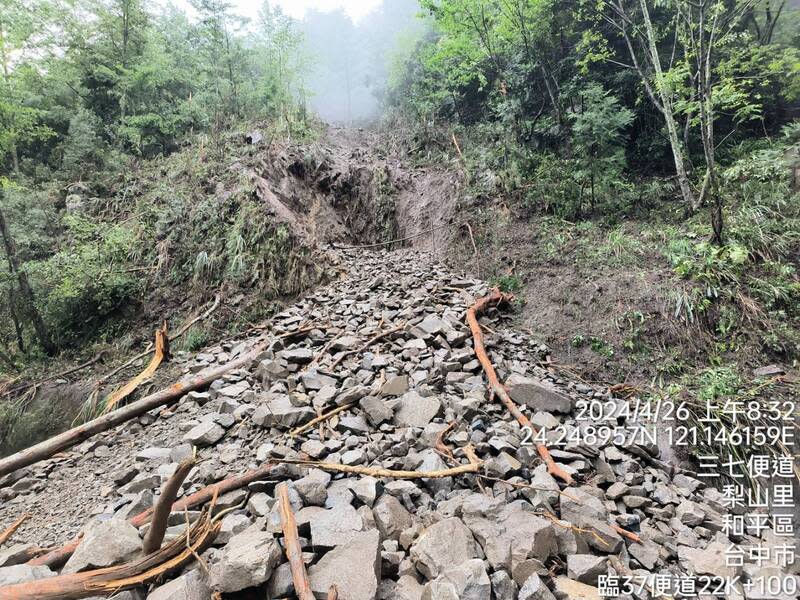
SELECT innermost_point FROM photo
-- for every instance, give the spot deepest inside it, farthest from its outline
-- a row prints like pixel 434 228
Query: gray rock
pixel 586 568
pixel 231 525
pixel 378 411
pixel 23 574
pixel 246 561
pixel 313 488
pixel 503 587
pixel 336 526
pixel 513 535
pixel 365 489
pixel 467 581
pixel 690 513
pixel 391 517
pixel 579 506
pixel 448 542
pixel 535 589
pixel 279 411
pixel 395 386
pixel 537 394
pixel 104 543
pixel 312 380
pixel 298 356
pixel 15 554
pixel 415 411
pixel 189 586
pixel 354 567
pixel 205 434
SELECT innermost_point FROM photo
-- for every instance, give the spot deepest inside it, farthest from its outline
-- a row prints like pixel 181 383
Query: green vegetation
pixel 652 139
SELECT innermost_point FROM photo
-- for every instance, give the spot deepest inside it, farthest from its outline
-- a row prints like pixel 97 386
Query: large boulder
pixel 355 568
pixel 246 561
pixel 447 543
pixel 104 543
pixel 467 581
pixel 537 394
pixel 511 535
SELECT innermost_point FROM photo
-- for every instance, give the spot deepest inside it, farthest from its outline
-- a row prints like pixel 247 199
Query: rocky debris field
pixel 509 531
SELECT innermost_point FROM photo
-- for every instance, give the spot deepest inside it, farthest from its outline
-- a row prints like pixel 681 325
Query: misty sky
pixel 355 9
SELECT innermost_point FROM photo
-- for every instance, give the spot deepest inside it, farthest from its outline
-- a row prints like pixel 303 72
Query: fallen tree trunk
pixel 494 298
pixel 76 435
pixel 59 556
pixel 110 580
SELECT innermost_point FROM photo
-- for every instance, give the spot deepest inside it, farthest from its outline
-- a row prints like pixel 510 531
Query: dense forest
pixel 663 132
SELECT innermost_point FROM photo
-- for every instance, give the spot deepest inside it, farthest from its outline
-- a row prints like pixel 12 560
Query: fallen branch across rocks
pixel 495 298
pixel 323 417
pixel 161 354
pixel 74 436
pixel 372 340
pixel 6 534
pixel 152 567
pixel 59 556
pixel 163 507
pixel 472 467
pixel 294 552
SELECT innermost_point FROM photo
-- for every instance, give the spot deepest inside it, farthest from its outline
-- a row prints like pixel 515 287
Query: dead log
pixel 302 585
pixel 59 556
pixel 11 529
pixel 494 298
pixel 76 435
pixel 101 582
pixel 163 507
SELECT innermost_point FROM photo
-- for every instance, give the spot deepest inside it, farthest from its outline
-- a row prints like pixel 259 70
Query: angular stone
pixel 312 380
pixel 391 517
pixel 415 411
pixel 586 568
pixel 204 434
pixel 535 589
pixel 189 586
pixel 395 386
pixel 446 543
pixel 279 411
pixel 105 543
pixel 246 561
pixel 579 506
pixel 298 356
pixel 15 554
pixel 23 574
pixel 537 394
pixel 336 526
pixel 378 411
pixel 513 535
pixel 690 513
pixel 354 567
pixel 467 581
pixel 313 488
pixel 570 589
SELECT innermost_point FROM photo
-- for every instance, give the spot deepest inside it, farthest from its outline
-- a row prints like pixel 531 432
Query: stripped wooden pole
pixel 302 585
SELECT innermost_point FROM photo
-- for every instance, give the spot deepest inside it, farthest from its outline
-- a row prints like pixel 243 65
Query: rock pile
pixel 509 532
